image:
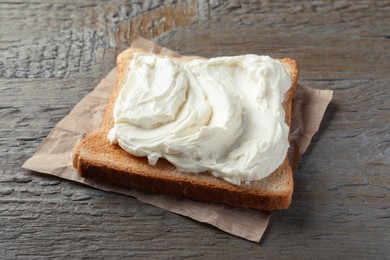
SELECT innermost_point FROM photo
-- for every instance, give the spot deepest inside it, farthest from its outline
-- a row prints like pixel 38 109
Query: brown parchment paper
pixel 53 156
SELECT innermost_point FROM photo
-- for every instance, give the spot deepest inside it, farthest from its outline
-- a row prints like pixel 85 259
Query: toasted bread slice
pixel 94 157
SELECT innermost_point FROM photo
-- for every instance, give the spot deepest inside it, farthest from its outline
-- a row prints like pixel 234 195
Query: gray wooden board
pixel 52 53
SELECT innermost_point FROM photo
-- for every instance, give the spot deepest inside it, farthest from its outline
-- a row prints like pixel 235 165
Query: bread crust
pixel 94 157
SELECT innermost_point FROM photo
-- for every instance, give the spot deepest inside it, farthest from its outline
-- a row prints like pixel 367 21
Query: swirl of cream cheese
pixel 223 115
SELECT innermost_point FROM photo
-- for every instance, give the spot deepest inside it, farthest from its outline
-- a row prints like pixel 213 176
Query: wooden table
pixel 52 53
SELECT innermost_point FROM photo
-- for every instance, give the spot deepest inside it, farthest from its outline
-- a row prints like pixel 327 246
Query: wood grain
pixel 52 53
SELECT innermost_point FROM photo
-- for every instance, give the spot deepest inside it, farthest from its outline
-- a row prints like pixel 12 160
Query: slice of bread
pixel 94 157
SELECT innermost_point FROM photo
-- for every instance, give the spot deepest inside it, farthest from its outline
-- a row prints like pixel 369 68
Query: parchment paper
pixel 54 154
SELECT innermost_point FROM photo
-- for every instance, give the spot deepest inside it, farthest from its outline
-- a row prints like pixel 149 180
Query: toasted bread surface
pixel 94 157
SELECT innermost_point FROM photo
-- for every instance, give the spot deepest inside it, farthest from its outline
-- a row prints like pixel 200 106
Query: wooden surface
pixel 52 53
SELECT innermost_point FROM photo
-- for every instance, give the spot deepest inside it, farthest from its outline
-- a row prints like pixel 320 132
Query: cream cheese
pixel 223 115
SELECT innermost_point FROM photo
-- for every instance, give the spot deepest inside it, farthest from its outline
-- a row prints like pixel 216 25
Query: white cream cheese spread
pixel 222 115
